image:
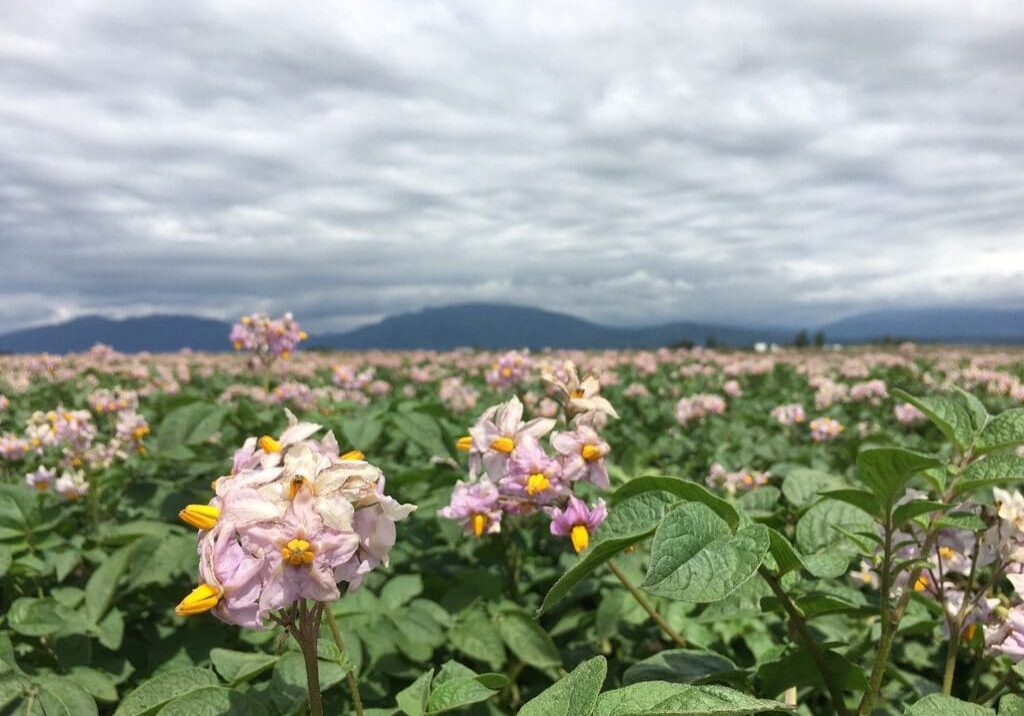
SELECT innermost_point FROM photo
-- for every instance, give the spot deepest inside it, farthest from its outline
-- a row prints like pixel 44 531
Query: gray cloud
pixel 626 162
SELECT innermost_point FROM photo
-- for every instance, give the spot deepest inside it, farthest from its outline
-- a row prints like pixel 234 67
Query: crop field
pixel 278 531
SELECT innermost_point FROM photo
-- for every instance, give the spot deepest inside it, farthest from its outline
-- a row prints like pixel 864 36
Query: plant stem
pixel 891 618
pixel 353 685
pixel 306 632
pixel 810 643
pixel 998 688
pixel 648 607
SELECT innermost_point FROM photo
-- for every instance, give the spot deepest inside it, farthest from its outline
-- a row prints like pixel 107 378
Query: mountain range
pixel 505 326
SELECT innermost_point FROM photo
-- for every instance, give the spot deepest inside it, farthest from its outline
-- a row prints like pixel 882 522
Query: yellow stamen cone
pixel 591 453
pixel 479 524
pixel 465 443
pixel 201 599
pixel 353 455
pixel 298 552
pixel 580 538
pixel 202 517
pixel 268 444
pixel 503 444
pixel 536 484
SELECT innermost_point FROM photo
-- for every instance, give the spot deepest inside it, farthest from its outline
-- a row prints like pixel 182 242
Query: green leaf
pixel 1005 430
pixel 939 705
pixel 526 639
pixel 32 616
pixel 99 590
pixel 361 432
pixel 799 669
pixel 154 693
pixel 110 630
pixel 61 696
pixel 696 558
pixel 475 636
pixel 679 666
pixel 630 521
pixel 412 700
pixel 861 499
pixel 214 701
pixel 915 508
pixel 803 485
pixel 400 590
pixel 97 683
pixel 683 489
pixel 456 686
pixel 660 698
pixel 1011 705
pixel 962 521
pixel 991 471
pixel 574 695
pixel 817 529
pixel 207 425
pixel 886 471
pixel 787 559
pixel 423 430
pixel 236 667
pixel 952 415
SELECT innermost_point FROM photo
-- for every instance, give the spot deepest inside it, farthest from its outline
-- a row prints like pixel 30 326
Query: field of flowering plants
pixel 278 531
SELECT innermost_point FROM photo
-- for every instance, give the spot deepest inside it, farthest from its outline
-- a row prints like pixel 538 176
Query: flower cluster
pixel 510 369
pixel 907 415
pixel 267 337
pixel 697 407
pixel 733 482
pixel 825 429
pixel 292 520
pixel 790 414
pixel 113 401
pixel 511 472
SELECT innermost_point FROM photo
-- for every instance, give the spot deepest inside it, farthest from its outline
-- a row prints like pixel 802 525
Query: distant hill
pixel 130 335
pixel 941 325
pixel 482 325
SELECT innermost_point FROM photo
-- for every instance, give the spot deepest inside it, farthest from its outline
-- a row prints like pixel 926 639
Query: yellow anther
pixel 202 517
pixel 201 599
pixel 140 432
pixel 298 552
pixel 353 455
pixel 969 630
pixel 285 354
pixel 591 453
pixel 268 444
pixel 42 485
pixel 921 584
pixel 506 372
pixel 465 443
pixel 503 444
pixel 577 394
pixel 479 524
pixel 238 345
pixel 303 336
pixel 537 483
pixel 580 538
pixel 246 320
pixel 948 553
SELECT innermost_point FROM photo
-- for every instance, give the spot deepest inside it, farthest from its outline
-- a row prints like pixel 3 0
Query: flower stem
pixel 353 685
pixel 809 642
pixel 306 632
pixel 648 607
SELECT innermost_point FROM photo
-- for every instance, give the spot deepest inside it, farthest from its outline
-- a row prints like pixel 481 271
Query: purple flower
pixel 499 430
pixel 577 521
pixel 532 475
pixel 475 505
pixel 583 453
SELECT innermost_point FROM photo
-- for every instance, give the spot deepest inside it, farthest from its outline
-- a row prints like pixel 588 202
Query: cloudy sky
pixel 750 162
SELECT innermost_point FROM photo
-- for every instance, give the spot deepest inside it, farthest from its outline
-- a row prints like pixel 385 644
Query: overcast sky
pixel 628 162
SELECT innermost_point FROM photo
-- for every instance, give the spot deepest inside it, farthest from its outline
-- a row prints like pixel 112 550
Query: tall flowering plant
pixel 292 520
pixel 512 471
pixel 265 337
